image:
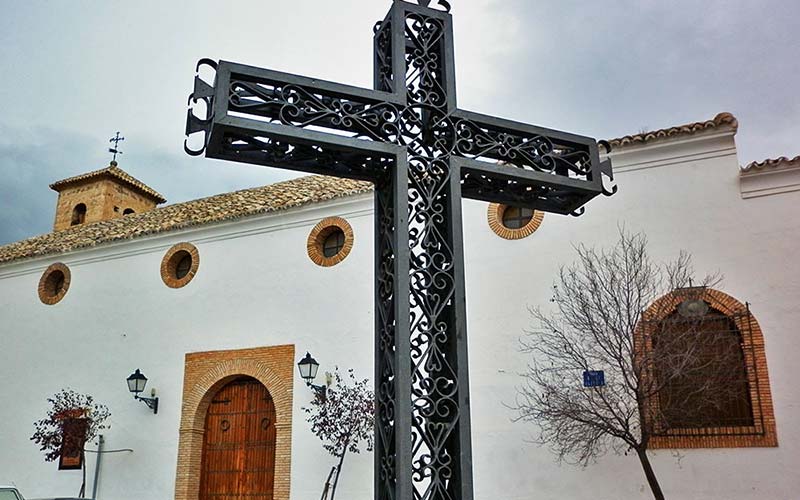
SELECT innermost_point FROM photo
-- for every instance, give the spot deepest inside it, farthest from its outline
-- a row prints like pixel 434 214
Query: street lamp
pixel 136 383
pixel 309 367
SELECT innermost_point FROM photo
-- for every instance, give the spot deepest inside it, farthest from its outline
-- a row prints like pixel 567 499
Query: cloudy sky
pixel 74 72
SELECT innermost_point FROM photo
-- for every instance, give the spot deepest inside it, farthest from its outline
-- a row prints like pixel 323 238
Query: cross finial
pixel 116 140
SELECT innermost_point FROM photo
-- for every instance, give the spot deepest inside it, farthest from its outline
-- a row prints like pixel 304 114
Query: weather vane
pixel 116 140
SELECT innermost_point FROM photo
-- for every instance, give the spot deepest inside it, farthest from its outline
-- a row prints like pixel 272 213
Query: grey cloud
pixel 611 68
pixel 76 74
pixel 31 161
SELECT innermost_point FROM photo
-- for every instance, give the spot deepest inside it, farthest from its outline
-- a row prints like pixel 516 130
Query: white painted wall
pixel 256 287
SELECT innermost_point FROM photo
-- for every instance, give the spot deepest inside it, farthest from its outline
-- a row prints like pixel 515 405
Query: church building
pixel 216 300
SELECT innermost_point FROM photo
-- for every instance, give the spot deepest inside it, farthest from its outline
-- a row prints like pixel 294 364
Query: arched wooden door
pixel 239 446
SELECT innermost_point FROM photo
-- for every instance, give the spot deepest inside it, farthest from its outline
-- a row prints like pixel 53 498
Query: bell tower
pixel 103 194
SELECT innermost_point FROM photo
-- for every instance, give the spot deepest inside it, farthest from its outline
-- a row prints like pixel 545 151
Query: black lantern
pixel 136 383
pixel 309 367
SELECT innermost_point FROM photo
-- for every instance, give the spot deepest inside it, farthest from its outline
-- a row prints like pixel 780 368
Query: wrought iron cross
pixel 116 140
pixel 424 155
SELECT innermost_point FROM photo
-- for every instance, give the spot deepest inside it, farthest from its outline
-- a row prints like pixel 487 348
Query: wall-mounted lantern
pixel 136 383
pixel 309 367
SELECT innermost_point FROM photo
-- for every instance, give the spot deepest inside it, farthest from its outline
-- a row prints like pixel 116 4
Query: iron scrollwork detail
pixel 296 106
pixel 203 92
pixel 442 4
pixel 423 155
pixel 386 340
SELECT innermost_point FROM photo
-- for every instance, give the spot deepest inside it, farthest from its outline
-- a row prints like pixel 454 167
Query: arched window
pixel 711 388
pixel 78 214
pixel 128 211
pixel 705 373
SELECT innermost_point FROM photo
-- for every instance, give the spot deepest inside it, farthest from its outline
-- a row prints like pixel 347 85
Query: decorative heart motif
pixel 443 4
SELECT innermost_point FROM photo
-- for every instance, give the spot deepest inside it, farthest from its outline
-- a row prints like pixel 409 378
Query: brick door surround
pixel 205 373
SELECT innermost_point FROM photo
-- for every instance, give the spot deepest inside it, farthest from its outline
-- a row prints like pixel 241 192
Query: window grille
pixel 516 217
pixel 719 394
pixel 333 243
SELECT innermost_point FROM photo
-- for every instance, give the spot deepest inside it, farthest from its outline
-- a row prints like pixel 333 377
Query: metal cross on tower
pixel 424 155
pixel 116 140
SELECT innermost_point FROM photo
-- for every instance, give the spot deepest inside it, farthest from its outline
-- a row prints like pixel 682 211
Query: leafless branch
pixel 597 322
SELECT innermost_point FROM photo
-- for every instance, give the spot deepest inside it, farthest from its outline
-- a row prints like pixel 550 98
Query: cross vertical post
pixel 414 58
pixel 423 155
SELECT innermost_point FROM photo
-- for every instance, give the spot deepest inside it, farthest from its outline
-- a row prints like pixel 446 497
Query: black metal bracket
pixel 320 390
pixel 151 403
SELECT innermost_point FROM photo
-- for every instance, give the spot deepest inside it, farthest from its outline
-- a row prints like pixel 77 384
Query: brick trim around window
pixel 205 373
pixel 316 240
pixel 763 433
pixel 169 265
pixel 54 283
pixel 495 217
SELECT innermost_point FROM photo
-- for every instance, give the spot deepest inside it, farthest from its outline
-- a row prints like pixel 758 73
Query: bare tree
pixel 657 365
pixel 72 420
pixel 343 419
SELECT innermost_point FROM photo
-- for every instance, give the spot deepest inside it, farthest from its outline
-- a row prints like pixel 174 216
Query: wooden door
pixel 239 446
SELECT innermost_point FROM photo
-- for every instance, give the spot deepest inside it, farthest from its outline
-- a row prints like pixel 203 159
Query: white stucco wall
pixel 256 287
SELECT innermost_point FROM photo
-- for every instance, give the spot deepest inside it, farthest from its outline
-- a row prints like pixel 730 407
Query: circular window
pixel 184 265
pixel 179 265
pixel 54 283
pixel 330 242
pixel 334 243
pixel 513 223
pixel 517 217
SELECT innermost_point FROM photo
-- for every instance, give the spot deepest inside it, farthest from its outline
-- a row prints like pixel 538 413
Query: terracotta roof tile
pixel 248 202
pixel 112 171
pixel 721 120
pixel 228 206
pixel 774 163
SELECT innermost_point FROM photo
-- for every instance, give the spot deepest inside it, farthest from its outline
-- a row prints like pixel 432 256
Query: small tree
pixel 53 432
pixel 343 419
pixel 597 325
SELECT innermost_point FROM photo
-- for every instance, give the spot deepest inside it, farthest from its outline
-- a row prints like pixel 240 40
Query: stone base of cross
pixel 424 155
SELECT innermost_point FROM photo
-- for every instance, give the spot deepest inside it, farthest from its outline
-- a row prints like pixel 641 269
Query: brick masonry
pixel 495 217
pixel 44 290
pixel 205 373
pixel 760 435
pixel 317 238
pixel 170 261
pixel 105 198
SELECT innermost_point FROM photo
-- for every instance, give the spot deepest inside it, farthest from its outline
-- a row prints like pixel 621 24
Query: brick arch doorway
pixel 205 373
pixel 238 460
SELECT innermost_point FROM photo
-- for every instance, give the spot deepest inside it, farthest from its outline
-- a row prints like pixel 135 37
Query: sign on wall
pixel 594 378
pixel 72 442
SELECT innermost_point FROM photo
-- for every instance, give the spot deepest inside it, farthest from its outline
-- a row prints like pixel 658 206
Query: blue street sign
pixel 594 378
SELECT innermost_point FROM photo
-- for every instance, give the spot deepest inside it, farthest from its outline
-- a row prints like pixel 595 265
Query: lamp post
pixel 309 367
pixel 136 383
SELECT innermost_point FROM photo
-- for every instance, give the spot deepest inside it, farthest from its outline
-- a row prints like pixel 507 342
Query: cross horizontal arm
pixel 271 118
pixel 518 164
pixel 510 185
pixel 245 72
